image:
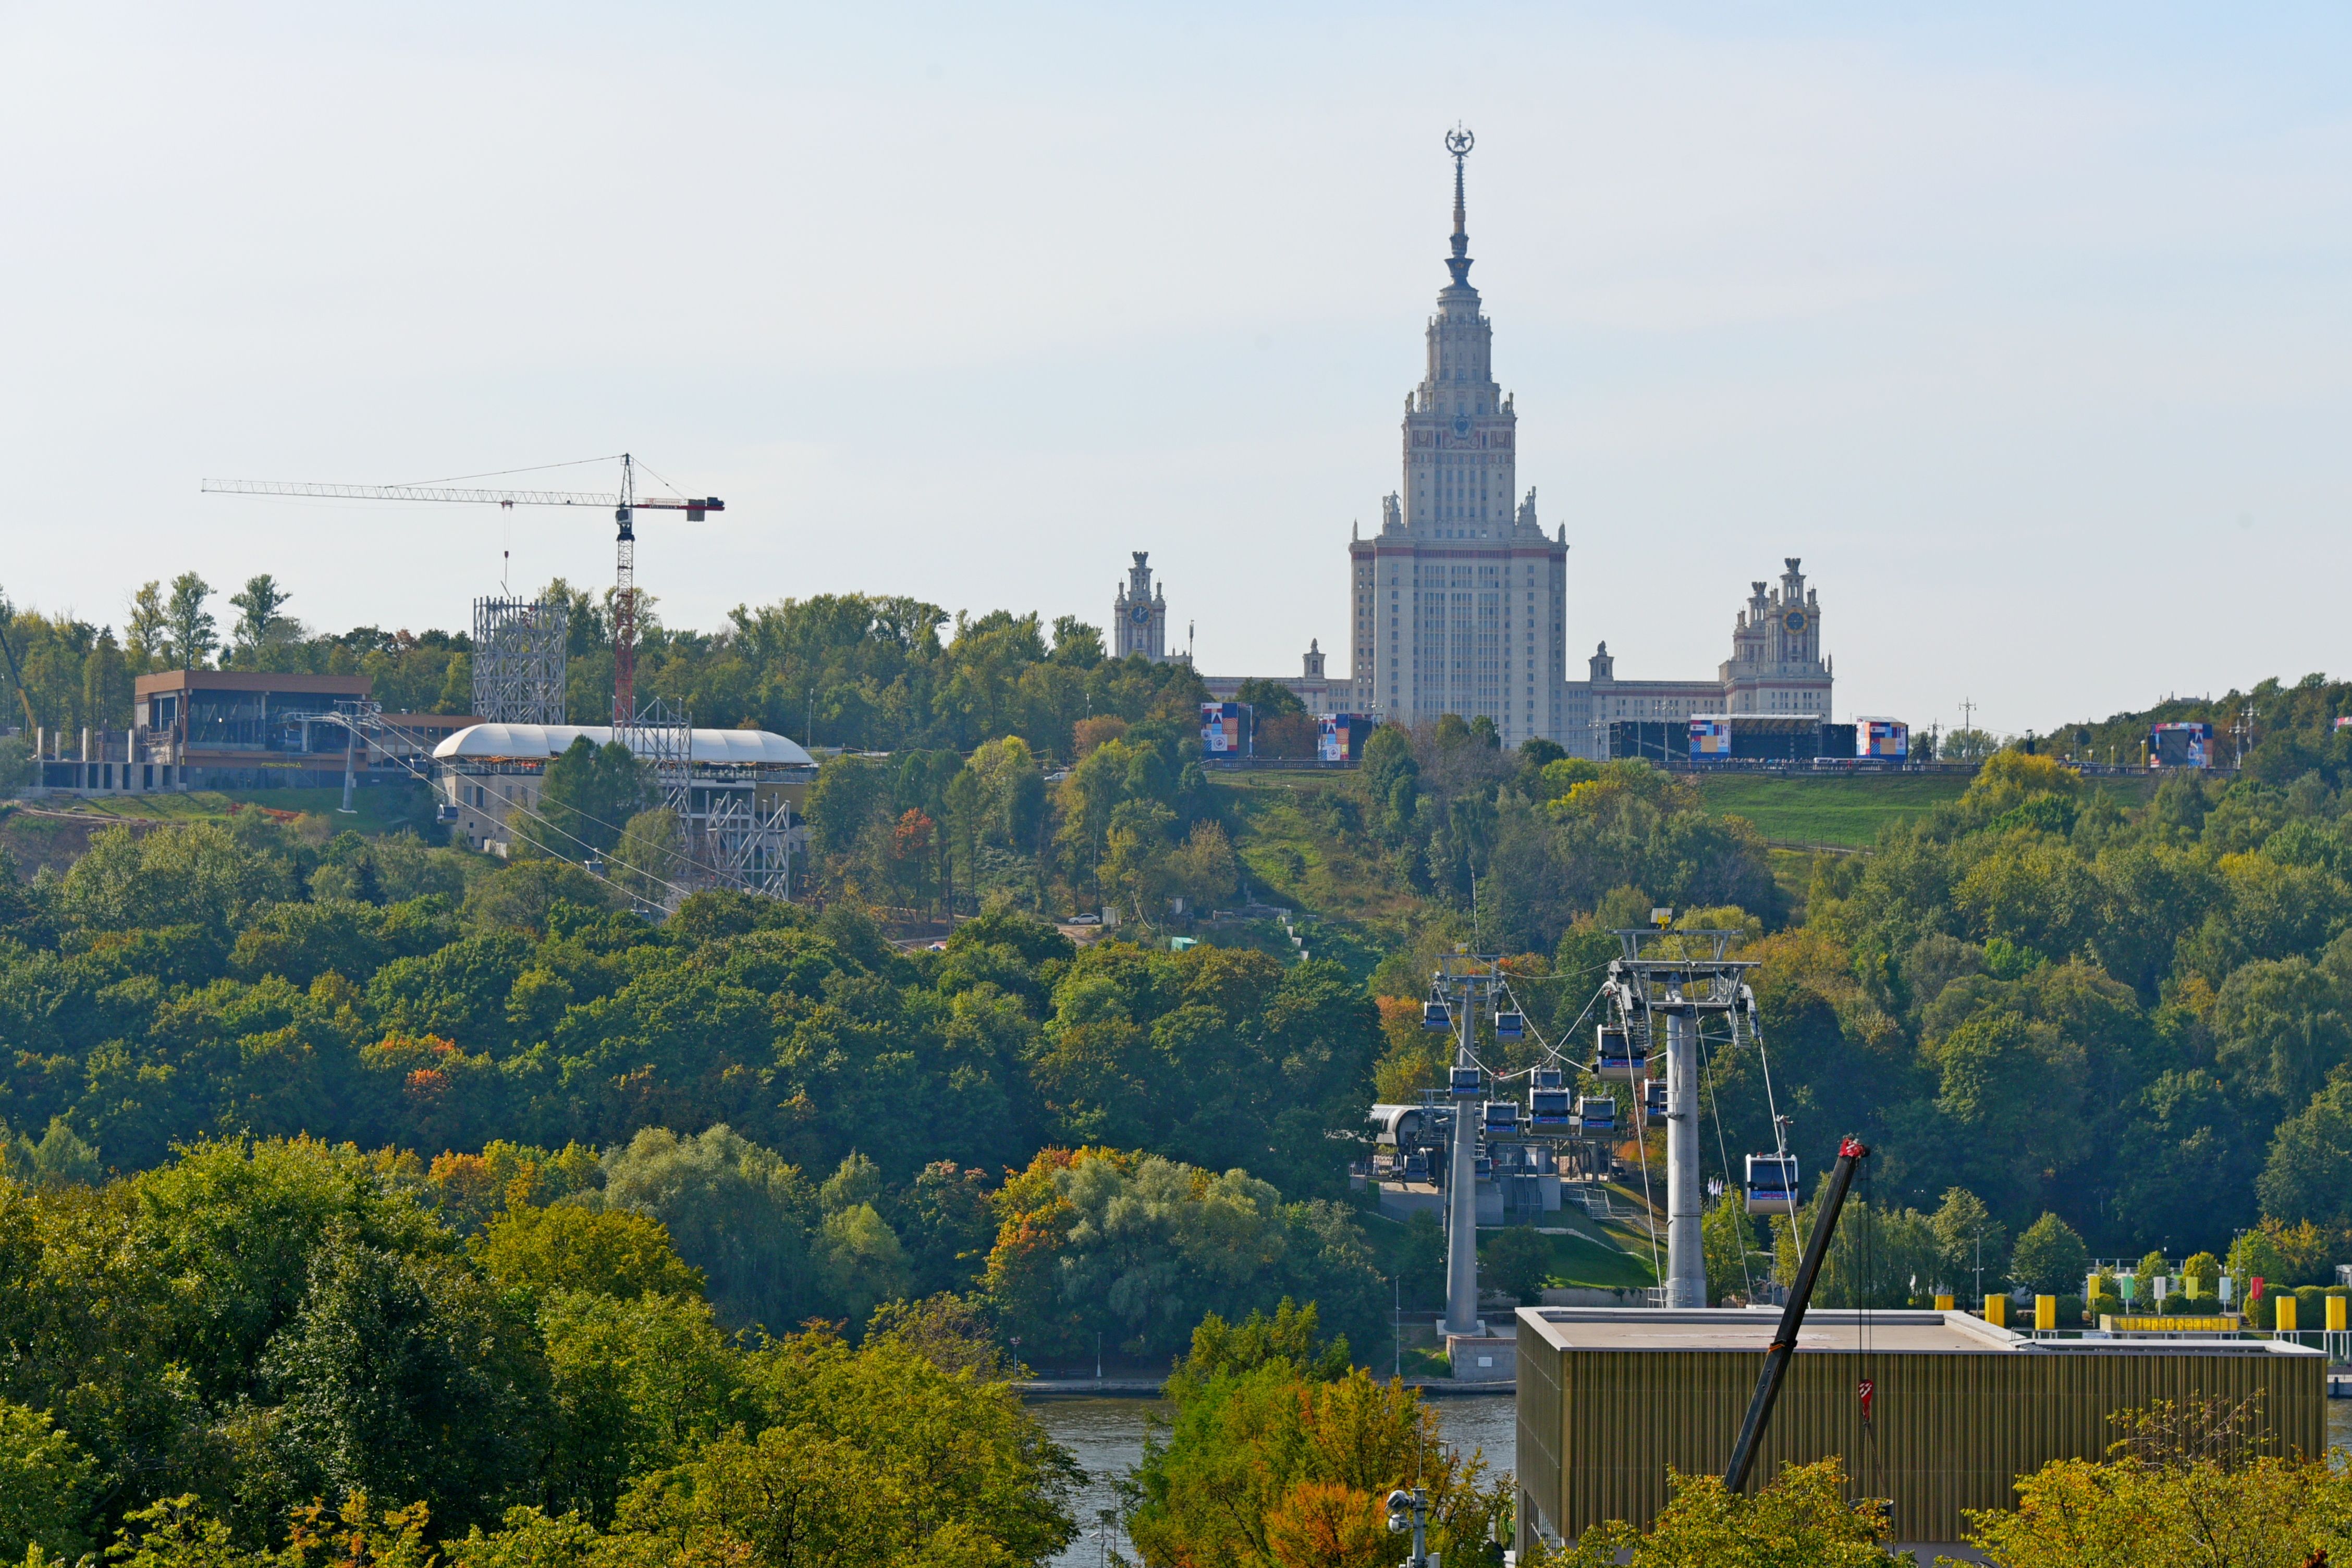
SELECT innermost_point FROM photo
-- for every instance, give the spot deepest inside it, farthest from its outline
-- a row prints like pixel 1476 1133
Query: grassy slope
pixel 1292 851
pixel 56 831
pixel 1839 812
pixel 1847 812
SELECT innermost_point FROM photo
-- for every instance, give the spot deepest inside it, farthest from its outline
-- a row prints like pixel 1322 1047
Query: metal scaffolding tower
pixel 1675 976
pixel 518 660
pixel 745 848
pixel 663 740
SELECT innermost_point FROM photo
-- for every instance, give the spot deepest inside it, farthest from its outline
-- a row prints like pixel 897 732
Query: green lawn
pixel 1844 813
pixel 1590 1255
pixel 1807 811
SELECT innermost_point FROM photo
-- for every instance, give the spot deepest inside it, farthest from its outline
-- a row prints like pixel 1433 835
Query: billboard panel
pixel 1710 737
pixel 2180 745
pixel 1340 737
pixel 1889 740
pixel 1224 729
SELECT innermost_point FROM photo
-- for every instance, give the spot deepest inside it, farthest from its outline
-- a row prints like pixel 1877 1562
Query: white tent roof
pixel 536 742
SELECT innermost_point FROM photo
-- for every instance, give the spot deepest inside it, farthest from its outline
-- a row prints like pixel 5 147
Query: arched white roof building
pixel 538 743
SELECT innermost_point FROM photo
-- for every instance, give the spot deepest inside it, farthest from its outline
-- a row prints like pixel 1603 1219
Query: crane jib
pixel 694 507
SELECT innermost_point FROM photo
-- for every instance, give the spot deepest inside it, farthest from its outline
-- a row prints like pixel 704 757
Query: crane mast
pixel 625 601
pixel 624 569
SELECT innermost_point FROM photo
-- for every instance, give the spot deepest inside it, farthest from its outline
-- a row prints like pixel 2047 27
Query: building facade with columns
pixel 1458 601
pixel 1776 667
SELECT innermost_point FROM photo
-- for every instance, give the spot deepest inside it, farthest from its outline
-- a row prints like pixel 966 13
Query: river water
pixel 1107 1435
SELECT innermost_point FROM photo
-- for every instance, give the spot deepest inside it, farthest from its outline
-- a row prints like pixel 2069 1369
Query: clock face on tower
pixel 1140 614
pixel 1795 620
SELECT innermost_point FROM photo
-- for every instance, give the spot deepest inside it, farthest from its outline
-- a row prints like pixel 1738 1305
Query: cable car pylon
pixel 1675 975
pixel 1465 988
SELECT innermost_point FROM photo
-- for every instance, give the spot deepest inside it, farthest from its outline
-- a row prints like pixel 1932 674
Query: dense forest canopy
pixel 487 1104
pixel 869 672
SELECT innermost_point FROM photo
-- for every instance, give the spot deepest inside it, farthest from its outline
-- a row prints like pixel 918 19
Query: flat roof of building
pixel 1829 1331
pixel 537 743
pixel 249 681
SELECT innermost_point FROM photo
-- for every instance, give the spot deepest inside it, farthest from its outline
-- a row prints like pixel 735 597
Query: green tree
pixel 47 1486
pixel 1204 868
pixel 187 624
pixel 1734 1263
pixel 1077 643
pixel 1274 1460
pixel 146 627
pixel 1800 1515
pixel 589 795
pixel 650 860
pixel 1518 1263
pixel 569 1247
pixel 732 1209
pixel 106 685
pixel 1972 1245
pixel 407 1378
pixel 2049 1259
pixel 258 621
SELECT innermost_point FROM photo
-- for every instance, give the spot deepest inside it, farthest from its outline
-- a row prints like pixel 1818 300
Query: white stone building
pixel 1458 600
pixel 1776 667
pixel 1139 615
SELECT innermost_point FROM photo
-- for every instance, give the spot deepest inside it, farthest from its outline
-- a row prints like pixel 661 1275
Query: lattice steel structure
pixel 663 740
pixel 519 656
pixel 744 846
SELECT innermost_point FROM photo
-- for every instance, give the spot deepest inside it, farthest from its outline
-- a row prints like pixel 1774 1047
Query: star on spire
pixel 1458 141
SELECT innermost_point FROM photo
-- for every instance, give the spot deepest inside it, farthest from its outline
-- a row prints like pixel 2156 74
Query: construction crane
pixel 1851 1153
pixel 625 508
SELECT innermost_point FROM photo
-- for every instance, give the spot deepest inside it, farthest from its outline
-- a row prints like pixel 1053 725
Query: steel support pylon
pixel 1686 1279
pixel 1462 1195
pixel 1677 976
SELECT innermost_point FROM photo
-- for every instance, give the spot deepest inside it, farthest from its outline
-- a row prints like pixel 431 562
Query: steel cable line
pixel 1722 1150
pixel 1642 1151
pixel 534 468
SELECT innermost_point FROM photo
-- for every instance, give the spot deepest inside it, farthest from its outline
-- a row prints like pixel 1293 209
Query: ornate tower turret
pixel 1139 615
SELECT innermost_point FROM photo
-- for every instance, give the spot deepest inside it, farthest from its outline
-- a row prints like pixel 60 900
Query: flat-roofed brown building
pixel 1609 1399
pixel 242 730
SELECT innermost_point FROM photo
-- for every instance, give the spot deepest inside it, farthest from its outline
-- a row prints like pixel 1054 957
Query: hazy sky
pixel 2025 327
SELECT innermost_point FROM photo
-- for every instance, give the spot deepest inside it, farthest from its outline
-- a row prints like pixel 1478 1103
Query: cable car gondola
pixel 1596 1115
pixel 1772 1183
pixel 1654 1102
pixel 1502 1120
pixel 1511 1025
pixel 1433 1018
pixel 1621 1059
pixel 1466 1083
pixel 1549 1105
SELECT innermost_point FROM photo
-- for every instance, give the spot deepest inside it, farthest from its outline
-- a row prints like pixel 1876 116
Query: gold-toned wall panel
pixel 1599 1429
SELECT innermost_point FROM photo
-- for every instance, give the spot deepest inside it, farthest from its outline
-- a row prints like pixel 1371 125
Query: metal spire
pixel 1459 141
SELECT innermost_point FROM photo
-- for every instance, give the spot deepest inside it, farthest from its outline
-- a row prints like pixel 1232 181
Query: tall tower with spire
pixel 1459 599
pixel 1138 614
